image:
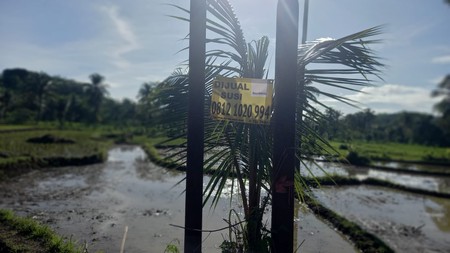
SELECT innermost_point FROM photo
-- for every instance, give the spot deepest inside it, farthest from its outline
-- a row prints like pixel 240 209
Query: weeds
pixel 172 247
pixel 396 152
pixel 30 229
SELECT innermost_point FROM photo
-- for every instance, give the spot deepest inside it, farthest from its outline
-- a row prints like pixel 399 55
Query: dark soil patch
pixel 50 139
pixel 19 167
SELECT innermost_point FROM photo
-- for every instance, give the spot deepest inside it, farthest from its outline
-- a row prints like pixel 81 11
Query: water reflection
pixel 414 166
pixel 426 182
pixel 407 222
pixel 148 171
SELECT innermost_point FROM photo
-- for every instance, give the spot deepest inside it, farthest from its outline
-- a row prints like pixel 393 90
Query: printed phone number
pixel 241 110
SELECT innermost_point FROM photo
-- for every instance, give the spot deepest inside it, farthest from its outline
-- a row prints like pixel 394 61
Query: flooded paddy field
pixel 93 204
pixel 429 182
pixel 406 222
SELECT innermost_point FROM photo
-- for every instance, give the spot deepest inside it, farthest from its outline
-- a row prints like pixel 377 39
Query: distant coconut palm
pixel 96 91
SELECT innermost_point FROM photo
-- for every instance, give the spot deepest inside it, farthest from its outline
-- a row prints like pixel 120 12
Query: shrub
pixel 355 159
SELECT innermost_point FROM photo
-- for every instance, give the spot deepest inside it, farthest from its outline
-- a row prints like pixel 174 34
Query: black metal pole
pixel 284 126
pixel 305 21
pixel 195 132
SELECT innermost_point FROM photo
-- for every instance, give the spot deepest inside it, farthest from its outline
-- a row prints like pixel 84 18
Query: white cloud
pixel 441 59
pixel 389 98
pixel 405 36
pixel 126 35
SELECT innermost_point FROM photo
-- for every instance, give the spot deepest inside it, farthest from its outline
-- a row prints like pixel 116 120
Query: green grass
pixel 20 231
pixel 15 144
pixel 148 144
pixel 395 151
pixel 8 128
pixel 17 155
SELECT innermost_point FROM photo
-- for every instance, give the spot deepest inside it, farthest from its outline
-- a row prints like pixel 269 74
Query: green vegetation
pixel 394 152
pixel 172 247
pixel 12 128
pixel 28 97
pixel 96 141
pixel 26 235
pixel 18 151
pixel 150 147
pixel 402 127
pixel 246 150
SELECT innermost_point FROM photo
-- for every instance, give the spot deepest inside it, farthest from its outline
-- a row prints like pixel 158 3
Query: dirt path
pixel 93 205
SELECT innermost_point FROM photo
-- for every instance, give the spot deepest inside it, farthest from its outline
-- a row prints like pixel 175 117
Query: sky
pixel 136 41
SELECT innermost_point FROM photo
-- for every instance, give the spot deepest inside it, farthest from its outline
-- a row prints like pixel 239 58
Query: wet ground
pixel 94 204
pixel 407 222
pixel 425 182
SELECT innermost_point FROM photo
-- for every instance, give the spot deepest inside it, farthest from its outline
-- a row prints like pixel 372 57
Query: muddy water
pixel 407 222
pixel 426 182
pixel 93 205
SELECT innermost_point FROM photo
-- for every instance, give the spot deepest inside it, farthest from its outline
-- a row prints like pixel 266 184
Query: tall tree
pixel 145 92
pixel 147 103
pixel 443 90
pixel 66 100
pixel 41 82
pixel 13 80
pixel 443 106
pixel 96 91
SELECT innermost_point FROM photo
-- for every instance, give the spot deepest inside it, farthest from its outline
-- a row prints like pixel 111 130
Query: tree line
pixel 32 97
pixel 401 127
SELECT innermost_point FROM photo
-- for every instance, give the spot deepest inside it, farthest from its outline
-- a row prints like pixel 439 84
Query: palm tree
pixel 96 91
pixel 443 107
pixel 41 82
pixel 443 89
pixel 13 86
pixel 244 151
pixel 144 92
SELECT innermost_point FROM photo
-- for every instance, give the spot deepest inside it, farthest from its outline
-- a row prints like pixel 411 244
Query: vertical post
pixel 301 81
pixel 284 126
pixel 195 132
pixel 305 21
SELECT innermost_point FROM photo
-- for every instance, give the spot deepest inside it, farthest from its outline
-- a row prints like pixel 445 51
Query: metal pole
pixel 305 21
pixel 284 126
pixel 195 132
pixel 301 79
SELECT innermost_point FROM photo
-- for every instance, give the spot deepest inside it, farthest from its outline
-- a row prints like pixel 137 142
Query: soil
pixel 10 238
pixel 95 205
pixel 409 223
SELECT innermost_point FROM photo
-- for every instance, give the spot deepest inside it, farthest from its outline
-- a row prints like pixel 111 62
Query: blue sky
pixel 132 42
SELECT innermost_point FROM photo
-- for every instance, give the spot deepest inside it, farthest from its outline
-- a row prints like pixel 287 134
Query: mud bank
pixel 407 222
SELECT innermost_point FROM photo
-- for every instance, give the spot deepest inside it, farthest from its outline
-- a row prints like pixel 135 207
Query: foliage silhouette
pixel 237 150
